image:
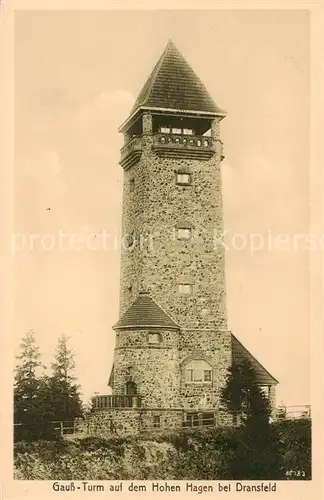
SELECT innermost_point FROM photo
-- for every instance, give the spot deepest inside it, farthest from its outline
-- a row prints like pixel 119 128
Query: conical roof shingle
pixel 174 85
pixel 145 312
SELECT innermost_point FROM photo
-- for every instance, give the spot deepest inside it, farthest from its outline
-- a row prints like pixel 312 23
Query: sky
pixel 77 75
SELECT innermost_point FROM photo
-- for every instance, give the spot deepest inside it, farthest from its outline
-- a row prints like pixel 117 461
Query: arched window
pixel 198 371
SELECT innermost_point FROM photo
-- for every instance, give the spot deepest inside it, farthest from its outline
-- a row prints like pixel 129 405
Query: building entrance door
pixel 131 388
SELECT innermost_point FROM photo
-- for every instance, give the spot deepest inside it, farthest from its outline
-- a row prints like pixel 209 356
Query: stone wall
pixel 159 370
pixel 112 422
pixel 152 208
pixel 155 369
pixel 125 422
pixel 215 348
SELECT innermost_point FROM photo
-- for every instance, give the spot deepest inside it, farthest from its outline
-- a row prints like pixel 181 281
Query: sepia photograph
pixel 162 239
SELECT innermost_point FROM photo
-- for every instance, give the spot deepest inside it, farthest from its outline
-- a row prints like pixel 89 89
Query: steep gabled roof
pixel 145 312
pixel 240 353
pixel 174 85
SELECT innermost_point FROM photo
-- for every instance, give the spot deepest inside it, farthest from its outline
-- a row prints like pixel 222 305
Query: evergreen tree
pixel 243 394
pixel 64 395
pixel 258 455
pixel 27 388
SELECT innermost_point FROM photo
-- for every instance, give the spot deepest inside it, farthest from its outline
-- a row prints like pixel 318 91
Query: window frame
pixel 198 375
pixel 184 238
pixel 180 178
pixel 181 290
pixel 156 421
pixel 151 335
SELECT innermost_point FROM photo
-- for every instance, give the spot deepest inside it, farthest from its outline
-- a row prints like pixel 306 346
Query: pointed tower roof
pixel 173 85
pixel 145 313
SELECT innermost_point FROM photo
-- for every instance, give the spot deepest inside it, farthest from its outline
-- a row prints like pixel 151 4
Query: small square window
pixel 156 421
pixel 183 233
pixel 154 338
pixel 185 288
pixel 184 179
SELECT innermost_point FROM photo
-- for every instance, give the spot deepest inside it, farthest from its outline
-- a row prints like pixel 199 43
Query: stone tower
pixel 173 348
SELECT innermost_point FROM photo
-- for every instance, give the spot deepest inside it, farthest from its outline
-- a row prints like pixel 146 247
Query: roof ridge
pixel 158 66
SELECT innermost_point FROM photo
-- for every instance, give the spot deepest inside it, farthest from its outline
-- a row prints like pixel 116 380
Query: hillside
pixel 204 454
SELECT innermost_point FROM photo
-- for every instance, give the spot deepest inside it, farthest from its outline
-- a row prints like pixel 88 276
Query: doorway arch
pixel 131 388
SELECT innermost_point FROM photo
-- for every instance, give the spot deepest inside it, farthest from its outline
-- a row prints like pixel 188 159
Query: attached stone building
pixel 173 348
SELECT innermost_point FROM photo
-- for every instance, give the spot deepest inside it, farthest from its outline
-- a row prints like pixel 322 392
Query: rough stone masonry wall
pixel 119 422
pixel 215 348
pixel 159 370
pixel 154 207
pixel 112 422
pixel 154 368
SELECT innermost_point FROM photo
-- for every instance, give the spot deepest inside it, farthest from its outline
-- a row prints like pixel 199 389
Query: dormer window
pixel 154 338
pixel 198 371
pixel 183 179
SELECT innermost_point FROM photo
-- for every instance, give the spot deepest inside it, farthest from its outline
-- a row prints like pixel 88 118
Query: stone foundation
pixel 131 421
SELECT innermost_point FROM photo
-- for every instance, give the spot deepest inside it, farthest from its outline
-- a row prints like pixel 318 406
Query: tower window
pixel 198 371
pixel 154 338
pixel 185 288
pixel 183 179
pixel 183 233
pixel 156 421
pixel 130 291
pixel 132 184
